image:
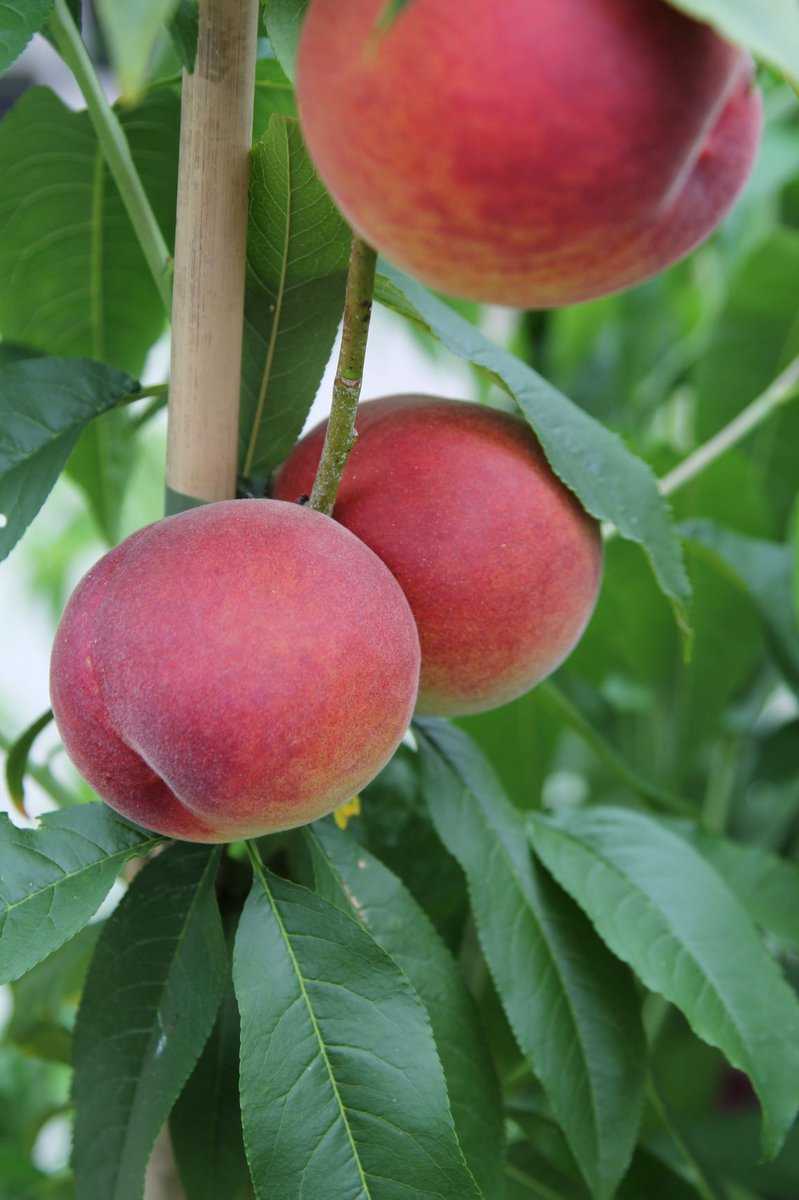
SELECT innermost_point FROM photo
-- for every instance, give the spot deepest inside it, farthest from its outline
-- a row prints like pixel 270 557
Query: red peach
pixel 532 153
pixel 241 668
pixel 499 562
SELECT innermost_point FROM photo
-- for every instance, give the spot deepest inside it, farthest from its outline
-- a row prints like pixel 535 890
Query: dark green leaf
pixel 45 403
pixel 149 1005
pixel 612 484
pixel 341 1087
pixel 17 760
pixel 283 23
pixel 54 878
pixel 73 279
pixel 206 1122
pixel 19 20
pixel 765 570
pixel 661 908
pixel 573 1011
pixel 297 250
pixel 351 878
pixel 771 32
pixel 184 31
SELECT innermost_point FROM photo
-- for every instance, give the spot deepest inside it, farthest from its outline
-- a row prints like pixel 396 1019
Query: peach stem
pixel 341 435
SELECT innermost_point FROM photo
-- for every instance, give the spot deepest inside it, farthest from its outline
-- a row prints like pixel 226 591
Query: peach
pixel 532 153
pixel 499 562
pixel 238 669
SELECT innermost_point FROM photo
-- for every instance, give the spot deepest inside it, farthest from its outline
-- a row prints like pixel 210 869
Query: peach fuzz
pixel 499 562
pixel 532 153
pixel 238 669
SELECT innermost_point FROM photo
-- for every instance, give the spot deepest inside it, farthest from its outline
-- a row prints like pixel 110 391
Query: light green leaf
pixel 297 253
pixel 769 30
pixel 151 998
pixel 19 20
pixel 45 403
pixel 101 464
pixel 354 880
pixel 767 886
pixel 573 1011
pixel 283 24
pixel 132 30
pixel 342 1092
pixel 661 908
pixel 612 484
pixel 73 279
pixel 53 879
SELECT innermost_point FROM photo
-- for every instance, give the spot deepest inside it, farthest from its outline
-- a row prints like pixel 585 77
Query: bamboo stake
pixel 210 254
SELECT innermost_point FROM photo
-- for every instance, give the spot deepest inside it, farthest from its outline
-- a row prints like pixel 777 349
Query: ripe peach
pixel 499 562
pixel 237 669
pixel 532 153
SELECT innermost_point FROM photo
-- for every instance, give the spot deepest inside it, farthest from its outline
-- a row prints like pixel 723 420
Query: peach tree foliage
pixel 554 953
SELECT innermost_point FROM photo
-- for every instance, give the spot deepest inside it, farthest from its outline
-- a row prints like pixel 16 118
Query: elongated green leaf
pixel 297 253
pixel 283 24
pixel 44 405
pixel 131 30
pixel 663 909
pixel 206 1122
pixel 765 571
pixel 150 1002
pixel 53 879
pixel 767 886
pixel 17 760
pixel 350 877
pixel 771 31
pixel 574 1013
pixel 19 20
pixel 612 484
pixel 73 279
pixel 341 1087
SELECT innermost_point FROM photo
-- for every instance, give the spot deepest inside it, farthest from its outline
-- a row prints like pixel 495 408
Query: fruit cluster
pixel 247 666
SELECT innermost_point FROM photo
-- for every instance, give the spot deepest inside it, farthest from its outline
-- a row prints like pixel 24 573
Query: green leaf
pixel 297 253
pixel 73 279
pixel 273 95
pixel 45 403
pixel 795 557
pixel 151 998
pixel 520 740
pixel 767 886
pixel 206 1121
pixel 661 908
pixel 19 20
pixel 756 335
pixel 54 878
pixel 612 484
pixel 132 30
pixel 573 1010
pixel 101 464
pixel 341 1087
pixel 42 995
pixel 184 30
pixel 765 571
pixel 17 760
pixel 351 878
pixel 283 24
pixel 770 31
